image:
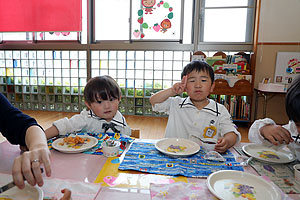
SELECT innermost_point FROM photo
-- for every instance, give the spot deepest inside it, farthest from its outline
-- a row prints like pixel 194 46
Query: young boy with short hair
pixel 196 116
pixel 102 97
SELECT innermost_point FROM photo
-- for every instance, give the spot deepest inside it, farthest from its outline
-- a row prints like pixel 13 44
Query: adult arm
pixel 14 123
pixel 22 129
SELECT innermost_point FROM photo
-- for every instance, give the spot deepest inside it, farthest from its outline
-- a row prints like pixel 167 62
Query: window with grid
pixel 185 22
pixel 44 80
pixel 139 74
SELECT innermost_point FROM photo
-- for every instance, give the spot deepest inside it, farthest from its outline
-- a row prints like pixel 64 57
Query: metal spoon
pixel 246 163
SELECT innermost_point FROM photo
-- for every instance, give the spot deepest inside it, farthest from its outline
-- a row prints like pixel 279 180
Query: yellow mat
pixel 110 176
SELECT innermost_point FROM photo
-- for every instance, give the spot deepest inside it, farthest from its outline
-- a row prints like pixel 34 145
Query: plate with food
pixel 177 147
pixel 74 144
pixel 268 154
pixel 231 184
pixel 29 192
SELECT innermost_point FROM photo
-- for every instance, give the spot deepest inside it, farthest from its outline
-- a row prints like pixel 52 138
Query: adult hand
pixel 27 166
pixel 275 134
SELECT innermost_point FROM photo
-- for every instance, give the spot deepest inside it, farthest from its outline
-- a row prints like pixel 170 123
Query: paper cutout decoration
pixel 148 7
pixel 293 66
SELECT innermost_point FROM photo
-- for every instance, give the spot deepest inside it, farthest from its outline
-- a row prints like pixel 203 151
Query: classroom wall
pixel 279 25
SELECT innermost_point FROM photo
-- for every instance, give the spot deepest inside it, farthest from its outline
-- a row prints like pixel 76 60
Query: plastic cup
pixel 297 171
pixel 111 151
pixel 209 144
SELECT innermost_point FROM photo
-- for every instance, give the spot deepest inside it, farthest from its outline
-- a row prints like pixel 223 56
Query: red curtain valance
pixel 40 15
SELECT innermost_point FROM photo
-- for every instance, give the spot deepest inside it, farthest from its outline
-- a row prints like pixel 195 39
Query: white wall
pixel 279 21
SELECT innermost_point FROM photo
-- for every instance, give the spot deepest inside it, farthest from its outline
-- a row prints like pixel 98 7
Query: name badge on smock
pixel 210 132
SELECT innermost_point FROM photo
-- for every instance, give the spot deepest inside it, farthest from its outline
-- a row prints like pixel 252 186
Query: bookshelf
pixel 236 99
pixel 232 89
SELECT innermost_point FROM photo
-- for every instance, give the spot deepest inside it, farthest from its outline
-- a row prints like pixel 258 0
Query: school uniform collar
pixel 186 103
pixel 118 118
pixel 211 107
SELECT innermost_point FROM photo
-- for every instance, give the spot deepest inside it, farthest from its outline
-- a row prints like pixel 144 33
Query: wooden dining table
pixel 86 168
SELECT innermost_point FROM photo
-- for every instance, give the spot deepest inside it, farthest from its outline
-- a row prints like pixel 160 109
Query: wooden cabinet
pixel 237 97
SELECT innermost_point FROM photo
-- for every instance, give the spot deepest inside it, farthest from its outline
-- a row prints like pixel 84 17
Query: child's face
pixel 198 85
pixel 106 109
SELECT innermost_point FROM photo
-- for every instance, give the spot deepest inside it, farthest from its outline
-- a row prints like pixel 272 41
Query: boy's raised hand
pixel 276 134
pixel 179 87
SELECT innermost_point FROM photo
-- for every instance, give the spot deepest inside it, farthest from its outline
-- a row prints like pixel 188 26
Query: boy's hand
pixel 222 145
pixel 275 134
pixel 226 142
pixel 179 87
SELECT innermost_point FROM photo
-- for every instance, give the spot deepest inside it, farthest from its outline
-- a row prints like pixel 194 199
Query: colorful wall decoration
pixel 153 19
pixel 287 67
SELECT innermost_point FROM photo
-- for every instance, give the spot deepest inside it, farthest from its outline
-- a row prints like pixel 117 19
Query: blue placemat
pixel 145 158
pixel 101 137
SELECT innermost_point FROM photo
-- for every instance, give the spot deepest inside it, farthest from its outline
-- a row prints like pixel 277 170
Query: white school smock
pixel 87 121
pixel 185 120
pixel 255 136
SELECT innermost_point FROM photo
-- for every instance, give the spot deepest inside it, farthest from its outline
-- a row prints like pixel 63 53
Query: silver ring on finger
pixel 35 160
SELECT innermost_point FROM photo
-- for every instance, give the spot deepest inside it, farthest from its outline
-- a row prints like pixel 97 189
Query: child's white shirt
pixel 185 120
pixel 254 133
pixel 87 121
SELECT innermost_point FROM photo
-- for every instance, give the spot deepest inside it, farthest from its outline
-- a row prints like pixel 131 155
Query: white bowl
pixel 209 144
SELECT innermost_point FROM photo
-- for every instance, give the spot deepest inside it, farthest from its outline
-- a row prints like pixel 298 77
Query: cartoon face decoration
pixel 148 3
pixel 165 24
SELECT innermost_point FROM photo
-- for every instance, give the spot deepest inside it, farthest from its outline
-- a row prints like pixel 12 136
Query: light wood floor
pixel 150 127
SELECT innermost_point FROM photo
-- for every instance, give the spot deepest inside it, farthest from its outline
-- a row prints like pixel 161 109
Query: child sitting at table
pixel 102 97
pixel 266 129
pixel 196 116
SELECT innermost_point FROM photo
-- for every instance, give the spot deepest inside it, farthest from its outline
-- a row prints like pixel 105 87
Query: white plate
pixel 268 154
pixel 67 149
pixel 177 147
pixel 225 184
pixel 29 192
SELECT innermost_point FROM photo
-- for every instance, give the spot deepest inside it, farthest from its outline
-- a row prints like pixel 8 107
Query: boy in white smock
pixel 266 129
pixel 102 97
pixel 196 116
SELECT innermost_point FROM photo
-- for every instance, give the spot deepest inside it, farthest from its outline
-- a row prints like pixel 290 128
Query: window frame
pixel 232 46
pixel 197 35
pixel 195 45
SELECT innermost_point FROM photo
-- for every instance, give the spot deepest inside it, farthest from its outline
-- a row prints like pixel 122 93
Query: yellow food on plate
pixel 175 149
pixel 74 142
